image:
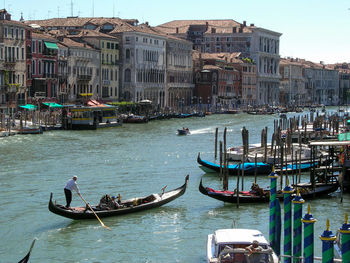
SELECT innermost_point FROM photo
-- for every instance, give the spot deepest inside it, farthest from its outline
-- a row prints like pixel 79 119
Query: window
pixel 112 45
pixel 39 46
pixel 127 75
pixel 5 32
pixel 22 55
pixel 103 44
pixel 33 46
pixel 127 54
pixel 39 67
pixel 108 45
pixel 33 67
pixel 11 30
pixel 16 33
pixel 22 34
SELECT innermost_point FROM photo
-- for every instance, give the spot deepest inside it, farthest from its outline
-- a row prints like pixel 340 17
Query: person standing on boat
pixel 71 185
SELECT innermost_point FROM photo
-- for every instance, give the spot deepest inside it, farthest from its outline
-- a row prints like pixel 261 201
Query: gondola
pixel 127 206
pixel 249 168
pixel 306 191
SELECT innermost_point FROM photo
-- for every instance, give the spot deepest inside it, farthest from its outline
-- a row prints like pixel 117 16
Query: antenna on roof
pixel 93 8
pixel 71 8
pixel 113 9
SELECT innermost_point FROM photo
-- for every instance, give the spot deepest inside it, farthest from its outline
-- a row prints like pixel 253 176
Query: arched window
pixel 127 53
pixel 127 75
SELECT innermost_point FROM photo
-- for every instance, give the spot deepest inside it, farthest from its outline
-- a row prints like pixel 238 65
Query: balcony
pixel 49 76
pixel 10 62
pixel 106 82
pixel 81 77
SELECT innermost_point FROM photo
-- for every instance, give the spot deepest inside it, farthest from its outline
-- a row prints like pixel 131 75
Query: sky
pixel 316 30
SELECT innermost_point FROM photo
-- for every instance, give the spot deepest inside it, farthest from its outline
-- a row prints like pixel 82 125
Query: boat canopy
pixel 329 143
pixel 29 107
pixel 53 104
pixel 239 236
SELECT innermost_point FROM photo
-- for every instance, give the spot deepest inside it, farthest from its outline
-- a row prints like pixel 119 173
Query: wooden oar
pixel 102 224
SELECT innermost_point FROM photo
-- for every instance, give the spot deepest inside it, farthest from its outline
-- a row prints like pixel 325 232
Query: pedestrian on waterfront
pixel 71 185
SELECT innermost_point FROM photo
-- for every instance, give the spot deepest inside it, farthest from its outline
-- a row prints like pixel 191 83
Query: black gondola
pixel 128 206
pixel 249 168
pixel 306 191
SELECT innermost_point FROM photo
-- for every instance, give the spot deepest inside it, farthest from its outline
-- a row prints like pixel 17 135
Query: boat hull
pixel 82 213
pixel 248 197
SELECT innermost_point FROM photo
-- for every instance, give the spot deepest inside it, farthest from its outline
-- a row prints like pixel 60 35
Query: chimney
pixel 146 23
pixel 244 23
pixel 251 24
pixel 177 30
pixel 234 29
pixel 206 24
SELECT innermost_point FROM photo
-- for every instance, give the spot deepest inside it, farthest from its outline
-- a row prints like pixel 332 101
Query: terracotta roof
pixel 71 43
pixel 224 56
pixel 221 26
pixel 79 21
pixel 292 61
pixel 14 22
pixel 92 33
pixel 211 67
pixel 43 36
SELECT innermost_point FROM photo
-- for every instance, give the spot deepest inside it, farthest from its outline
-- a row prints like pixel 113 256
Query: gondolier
pixel 71 185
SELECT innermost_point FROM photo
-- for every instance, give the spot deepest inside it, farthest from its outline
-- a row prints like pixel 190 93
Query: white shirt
pixel 72 185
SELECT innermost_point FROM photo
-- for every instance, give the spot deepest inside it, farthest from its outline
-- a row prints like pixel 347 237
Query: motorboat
pixel 183 131
pixel 230 246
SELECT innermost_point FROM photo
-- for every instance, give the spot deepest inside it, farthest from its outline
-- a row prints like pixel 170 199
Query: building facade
pixel 143 73
pixel 215 36
pixel 109 89
pixel 12 61
pixel 292 85
pixel 44 53
pixel 179 70
pixel 83 71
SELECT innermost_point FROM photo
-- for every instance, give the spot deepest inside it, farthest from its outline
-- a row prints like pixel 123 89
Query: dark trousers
pixel 68 194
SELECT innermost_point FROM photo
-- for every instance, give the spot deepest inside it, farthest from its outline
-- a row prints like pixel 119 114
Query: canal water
pixel 133 160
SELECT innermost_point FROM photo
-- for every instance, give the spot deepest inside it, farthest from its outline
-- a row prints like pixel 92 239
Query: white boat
pixel 229 245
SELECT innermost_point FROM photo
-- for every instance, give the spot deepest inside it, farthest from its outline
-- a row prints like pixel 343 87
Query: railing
pixel 50 76
pixel 84 77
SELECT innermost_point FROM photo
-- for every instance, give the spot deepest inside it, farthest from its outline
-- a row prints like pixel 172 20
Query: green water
pixel 133 160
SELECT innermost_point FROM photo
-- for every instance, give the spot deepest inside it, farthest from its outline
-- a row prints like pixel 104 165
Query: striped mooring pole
pixel 287 202
pixel 309 222
pixel 345 240
pixel 328 239
pixel 297 234
pixel 272 220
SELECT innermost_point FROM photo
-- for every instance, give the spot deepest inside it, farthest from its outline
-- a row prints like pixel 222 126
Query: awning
pixel 86 94
pixel 29 107
pixel 51 45
pixel 53 104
